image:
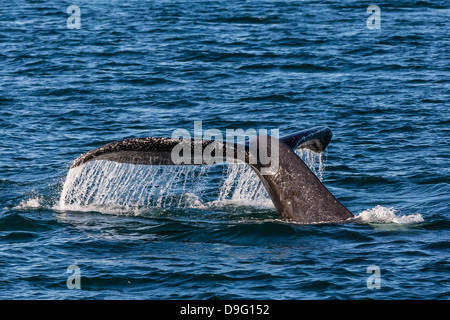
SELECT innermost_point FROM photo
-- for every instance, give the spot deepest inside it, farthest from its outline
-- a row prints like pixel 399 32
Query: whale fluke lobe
pixel 297 194
pixel 315 139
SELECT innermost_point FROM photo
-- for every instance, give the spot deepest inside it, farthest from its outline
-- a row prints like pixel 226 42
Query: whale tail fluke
pixel 315 139
pixel 298 195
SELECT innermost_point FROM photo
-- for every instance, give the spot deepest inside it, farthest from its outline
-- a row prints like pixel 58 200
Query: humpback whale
pixel 297 194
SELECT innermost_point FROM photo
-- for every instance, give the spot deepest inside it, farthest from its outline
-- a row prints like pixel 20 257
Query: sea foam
pixel 380 214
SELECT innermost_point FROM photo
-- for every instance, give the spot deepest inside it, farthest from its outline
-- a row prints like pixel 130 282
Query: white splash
pixel 31 203
pixel 380 214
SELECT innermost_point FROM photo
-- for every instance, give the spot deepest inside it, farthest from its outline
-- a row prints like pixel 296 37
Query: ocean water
pixel 145 68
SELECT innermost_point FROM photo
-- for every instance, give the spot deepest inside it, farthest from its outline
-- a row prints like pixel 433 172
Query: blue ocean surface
pixel 146 68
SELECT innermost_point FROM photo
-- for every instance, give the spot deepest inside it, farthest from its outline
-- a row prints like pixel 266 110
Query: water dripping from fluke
pixel 111 187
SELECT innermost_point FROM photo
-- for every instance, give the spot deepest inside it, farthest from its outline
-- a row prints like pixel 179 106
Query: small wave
pixel 306 67
pixel 380 214
pixel 117 209
pixel 244 20
pixel 269 97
